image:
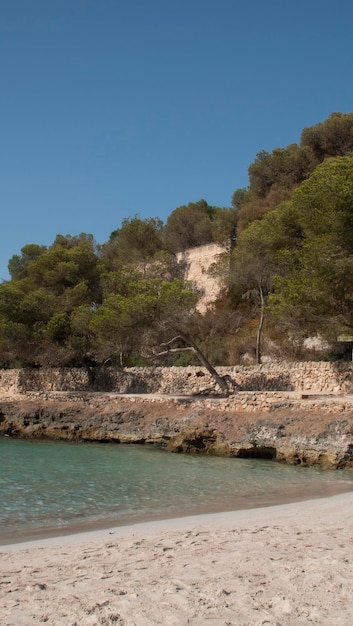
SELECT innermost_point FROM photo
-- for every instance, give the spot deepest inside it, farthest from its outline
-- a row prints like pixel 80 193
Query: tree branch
pixel 203 360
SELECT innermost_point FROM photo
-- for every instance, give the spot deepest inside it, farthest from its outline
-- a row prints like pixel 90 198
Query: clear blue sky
pixel 115 107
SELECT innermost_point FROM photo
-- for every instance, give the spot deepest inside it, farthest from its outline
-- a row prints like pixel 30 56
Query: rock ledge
pixel 298 429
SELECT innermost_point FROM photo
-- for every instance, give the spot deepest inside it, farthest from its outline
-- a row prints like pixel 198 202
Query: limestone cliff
pixel 292 428
pixel 198 263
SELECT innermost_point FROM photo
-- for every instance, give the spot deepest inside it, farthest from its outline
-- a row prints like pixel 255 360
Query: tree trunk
pixel 91 374
pixel 203 360
pixel 259 329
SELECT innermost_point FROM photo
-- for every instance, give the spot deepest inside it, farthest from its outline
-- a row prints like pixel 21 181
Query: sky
pixel 116 108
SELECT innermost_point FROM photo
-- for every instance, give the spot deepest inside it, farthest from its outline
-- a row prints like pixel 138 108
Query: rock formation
pixel 288 427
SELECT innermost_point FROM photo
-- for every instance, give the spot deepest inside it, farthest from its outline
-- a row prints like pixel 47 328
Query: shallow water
pixel 52 487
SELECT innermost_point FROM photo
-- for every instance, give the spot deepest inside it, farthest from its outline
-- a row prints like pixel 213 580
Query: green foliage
pixel 256 208
pixel 333 137
pixel 223 226
pixel 283 167
pixel 324 203
pixel 68 262
pixel 275 175
pixel 197 224
pixel 300 255
pixel 59 328
pixel 258 253
pixel 189 226
pixel 18 264
pixel 136 320
pixel 315 288
pixel 20 304
pixel 15 343
pixel 136 242
pixel 75 302
pixel 47 286
pixel 240 197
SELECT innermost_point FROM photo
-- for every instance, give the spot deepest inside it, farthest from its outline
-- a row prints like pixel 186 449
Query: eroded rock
pixel 303 432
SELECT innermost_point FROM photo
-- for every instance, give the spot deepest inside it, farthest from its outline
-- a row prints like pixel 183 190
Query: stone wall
pixel 307 376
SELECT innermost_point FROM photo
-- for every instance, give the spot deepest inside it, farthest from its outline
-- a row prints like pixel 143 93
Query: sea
pixel 50 488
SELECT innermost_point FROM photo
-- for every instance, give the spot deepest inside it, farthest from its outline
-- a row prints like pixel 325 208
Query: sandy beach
pixel 283 565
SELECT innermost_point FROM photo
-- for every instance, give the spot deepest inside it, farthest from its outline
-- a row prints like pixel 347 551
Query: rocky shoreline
pixel 291 427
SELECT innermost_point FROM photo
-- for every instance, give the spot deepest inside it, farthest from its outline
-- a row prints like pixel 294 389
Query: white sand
pixel 283 565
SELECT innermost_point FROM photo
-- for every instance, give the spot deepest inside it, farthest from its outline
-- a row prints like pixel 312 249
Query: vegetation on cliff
pixel 286 272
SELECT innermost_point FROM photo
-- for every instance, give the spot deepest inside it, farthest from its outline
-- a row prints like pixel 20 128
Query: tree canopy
pixel 333 137
pixel 273 176
pixel 137 241
pixel 315 288
pixel 197 224
pixel 286 271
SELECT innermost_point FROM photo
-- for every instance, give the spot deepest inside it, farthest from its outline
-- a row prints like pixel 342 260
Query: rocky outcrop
pixel 288 427
pixel 197 263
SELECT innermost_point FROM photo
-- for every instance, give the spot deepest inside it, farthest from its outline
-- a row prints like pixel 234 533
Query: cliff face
pixel 198 262
pixel 313 430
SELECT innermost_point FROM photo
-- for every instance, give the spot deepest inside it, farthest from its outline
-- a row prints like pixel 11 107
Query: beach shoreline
pixel 287 564
pixel 82 534
pixel 295 494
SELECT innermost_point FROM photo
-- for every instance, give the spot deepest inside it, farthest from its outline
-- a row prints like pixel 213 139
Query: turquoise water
pixel 56 486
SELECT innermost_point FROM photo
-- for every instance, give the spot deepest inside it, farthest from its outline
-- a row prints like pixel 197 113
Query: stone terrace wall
pixel 308 376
